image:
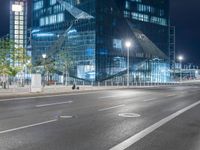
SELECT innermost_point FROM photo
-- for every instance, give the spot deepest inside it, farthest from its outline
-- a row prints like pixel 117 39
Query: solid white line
pixel 28 126
pixel 103 109
pixel 51 104
pixel 133 139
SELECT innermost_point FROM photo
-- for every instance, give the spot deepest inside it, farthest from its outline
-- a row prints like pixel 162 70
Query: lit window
pixel 16 32
pixel 46 20
pixel 17 8
pixel 17 17
pixel 41 21
pixel 126 14
pixel 136 1
pixel 16 27
pixel 140 17
pixel 21 18
pixel 52 2
pixel 21 32
pixel 127 5
pixel 78 1
pixel 145 8
pixel 157 20
pixel 60 17
pixel 16 22
pixel 52 19
pixel 38 5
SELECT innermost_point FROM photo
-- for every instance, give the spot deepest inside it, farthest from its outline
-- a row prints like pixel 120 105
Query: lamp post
pixel 180 58
pixel 44 56
pixel 128 45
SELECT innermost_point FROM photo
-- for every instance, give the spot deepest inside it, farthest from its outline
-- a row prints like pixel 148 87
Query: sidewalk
pixel 14 91
pixel 58 89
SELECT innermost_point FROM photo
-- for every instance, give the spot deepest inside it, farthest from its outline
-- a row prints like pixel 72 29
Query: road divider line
pixel 171 95
pixel 27 126
pixel 52 104
pixel 135 138
pixel 152 99
pixel 109 96
pixel 66 117
pixel 103 109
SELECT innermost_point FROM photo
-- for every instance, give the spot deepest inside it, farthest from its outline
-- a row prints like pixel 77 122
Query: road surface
pixel 156 118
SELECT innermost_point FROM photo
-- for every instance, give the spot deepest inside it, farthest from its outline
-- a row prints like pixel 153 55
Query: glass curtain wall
pixel 96 45
pixel 66 27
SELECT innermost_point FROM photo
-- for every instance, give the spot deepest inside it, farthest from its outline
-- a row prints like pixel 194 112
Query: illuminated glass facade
pixel 94 33
pixel 152 18
pixel 18 24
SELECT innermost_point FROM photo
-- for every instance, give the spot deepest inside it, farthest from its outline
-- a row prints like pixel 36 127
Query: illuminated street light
pixel 44 56
pixel 128 45
pixel 180 58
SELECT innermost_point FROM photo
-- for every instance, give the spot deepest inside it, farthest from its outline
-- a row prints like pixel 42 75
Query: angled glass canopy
pixel 77 13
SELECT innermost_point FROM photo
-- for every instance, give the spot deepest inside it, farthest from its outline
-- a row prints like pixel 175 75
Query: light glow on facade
pixel 17 8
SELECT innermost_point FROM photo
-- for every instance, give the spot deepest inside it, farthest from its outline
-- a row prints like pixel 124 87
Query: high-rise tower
pixel 18 24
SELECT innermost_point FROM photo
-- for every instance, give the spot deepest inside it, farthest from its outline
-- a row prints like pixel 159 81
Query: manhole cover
pixel 129 115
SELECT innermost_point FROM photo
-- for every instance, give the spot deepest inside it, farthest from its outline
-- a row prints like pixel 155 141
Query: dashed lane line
pixel 27 126
pixel 103 109
pixel 52 104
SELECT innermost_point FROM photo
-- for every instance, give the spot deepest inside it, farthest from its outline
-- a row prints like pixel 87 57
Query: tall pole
pixel 44 56
pixel 128 72
pixel 180 58
pixel 128 45
pixel 181 70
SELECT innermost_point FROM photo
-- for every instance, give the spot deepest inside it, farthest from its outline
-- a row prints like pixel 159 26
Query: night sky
pixel 185 15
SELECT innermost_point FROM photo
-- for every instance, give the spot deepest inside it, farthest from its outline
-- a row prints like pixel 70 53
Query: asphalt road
pixel 162 118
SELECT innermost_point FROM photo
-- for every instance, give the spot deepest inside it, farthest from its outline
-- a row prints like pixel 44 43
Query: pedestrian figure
pixel 73 87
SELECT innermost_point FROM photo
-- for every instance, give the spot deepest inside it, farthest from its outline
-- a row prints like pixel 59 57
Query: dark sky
pixel 185 15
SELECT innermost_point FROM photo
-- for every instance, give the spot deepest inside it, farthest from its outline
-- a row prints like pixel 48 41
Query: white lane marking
pixel 109 96
pixel 129 115
pixel 28 126
pixel 103 109
pixel 47 96
pixel 133 139
pixel 66 117
pixel 147 100
pixel 171 95
pixel 52 104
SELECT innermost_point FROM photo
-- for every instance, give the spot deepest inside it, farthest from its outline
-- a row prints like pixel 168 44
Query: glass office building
pixel 93 32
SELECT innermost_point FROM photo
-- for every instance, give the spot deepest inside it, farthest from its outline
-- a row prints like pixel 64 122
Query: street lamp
pixel 180 58
pixel 128 45
pixel 44 56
